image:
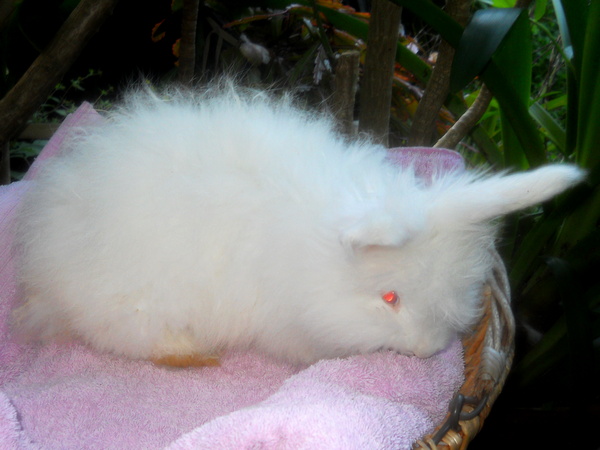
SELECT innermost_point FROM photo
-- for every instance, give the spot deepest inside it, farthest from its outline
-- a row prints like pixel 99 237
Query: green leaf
pixel 514 61
pixel 558 102
pixel 540 9
pixel 176 5
pixel 579 208
pixel 303 63
pixel 553 130
pixel 563 28
pixel 584 220
pixel 517 113
pixel 488 147
pixel 547 353
pixel 588 133
pixel 500 3
pixel 571 16
pixel 575 15
pixel 480 40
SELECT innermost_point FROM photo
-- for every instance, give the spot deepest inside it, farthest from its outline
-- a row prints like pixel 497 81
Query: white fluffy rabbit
pixel 187 227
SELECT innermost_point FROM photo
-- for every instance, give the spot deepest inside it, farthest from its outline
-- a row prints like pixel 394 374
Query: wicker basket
pixel 489 352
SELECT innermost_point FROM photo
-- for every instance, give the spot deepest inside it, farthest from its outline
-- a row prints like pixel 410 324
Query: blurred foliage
pixel 63 101
pixel 553 251
pixel 22 155
pixel 286 44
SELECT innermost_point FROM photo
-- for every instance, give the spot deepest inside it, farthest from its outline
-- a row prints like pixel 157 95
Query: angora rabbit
pixel 184 228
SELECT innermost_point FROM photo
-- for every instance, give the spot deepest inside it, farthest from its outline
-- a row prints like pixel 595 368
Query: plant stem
pixel 422 131
pixel 467 121
pixel 376 86
pixel 345 81
pixel 187 45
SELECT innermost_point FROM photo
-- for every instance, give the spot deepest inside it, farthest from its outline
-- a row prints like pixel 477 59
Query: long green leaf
pixel 480 40
pixel 539 9
pixel 580 207
pixel 572 112
pixel 305 60
pixel 571 16
pixel 584 220
pixel 488 147
pixel 553 129
pixel 588 135
pixel 547 353
pixel 514 60
pixel 517 112
pixel 575 14
pixel 563 28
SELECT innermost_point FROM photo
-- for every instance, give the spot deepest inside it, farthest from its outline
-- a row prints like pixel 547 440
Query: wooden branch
pixel 467 121
pixel 344 86
pixel 376 85
pixel 187 45
pixel 32 90
pixel 422 132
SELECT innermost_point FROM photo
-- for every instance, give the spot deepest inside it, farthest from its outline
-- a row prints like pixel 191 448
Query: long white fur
pixel 228 220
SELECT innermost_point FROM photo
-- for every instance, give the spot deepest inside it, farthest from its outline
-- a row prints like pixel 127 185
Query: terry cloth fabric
pixel 68 396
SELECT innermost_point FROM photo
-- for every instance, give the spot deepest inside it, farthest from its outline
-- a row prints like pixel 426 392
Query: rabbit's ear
pixel 484 199
pixel 381 229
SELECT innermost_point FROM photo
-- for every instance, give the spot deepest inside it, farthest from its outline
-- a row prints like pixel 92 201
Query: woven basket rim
pixel 489 353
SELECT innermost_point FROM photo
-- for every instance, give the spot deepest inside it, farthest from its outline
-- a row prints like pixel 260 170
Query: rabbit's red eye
pixel 391 297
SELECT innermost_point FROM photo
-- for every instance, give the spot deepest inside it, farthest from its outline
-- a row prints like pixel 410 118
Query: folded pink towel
pixel 69 396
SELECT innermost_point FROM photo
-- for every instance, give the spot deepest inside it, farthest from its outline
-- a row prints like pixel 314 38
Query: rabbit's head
pixel 417 271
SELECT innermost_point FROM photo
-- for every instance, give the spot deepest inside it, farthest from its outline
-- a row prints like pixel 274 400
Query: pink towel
pixel 69 396
pixel 428 162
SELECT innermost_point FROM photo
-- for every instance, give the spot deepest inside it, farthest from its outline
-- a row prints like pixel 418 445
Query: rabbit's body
pixel 192 227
